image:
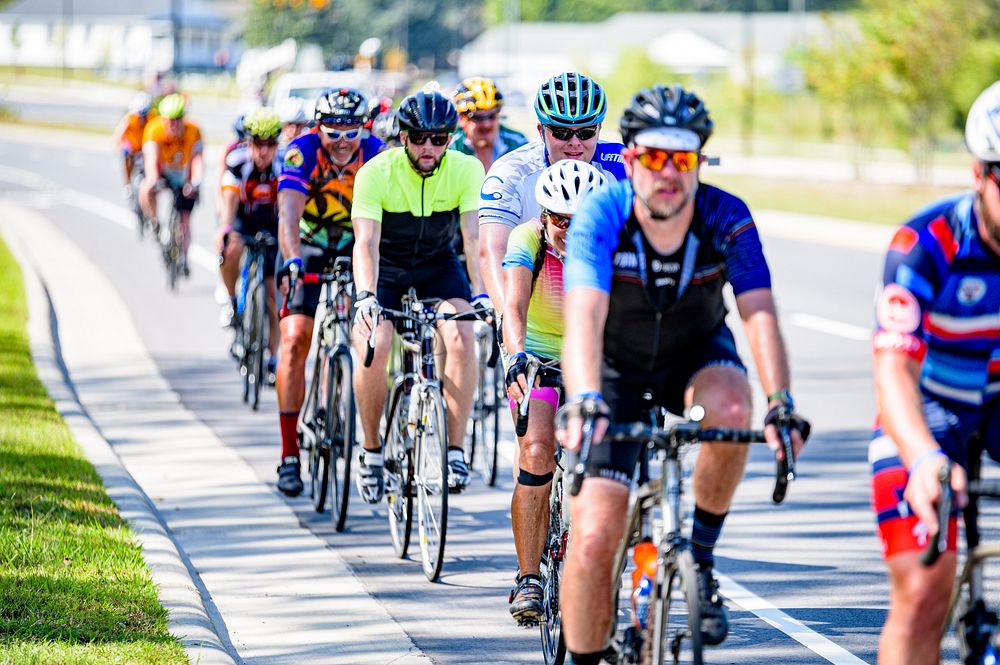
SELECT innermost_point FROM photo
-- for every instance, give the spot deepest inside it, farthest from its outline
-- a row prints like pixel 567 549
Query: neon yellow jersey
pixel 544 333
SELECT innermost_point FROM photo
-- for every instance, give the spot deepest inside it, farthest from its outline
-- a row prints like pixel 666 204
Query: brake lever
pixel 784 467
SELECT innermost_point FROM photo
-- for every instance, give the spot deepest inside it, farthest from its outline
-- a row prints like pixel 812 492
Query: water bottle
pixel 644 556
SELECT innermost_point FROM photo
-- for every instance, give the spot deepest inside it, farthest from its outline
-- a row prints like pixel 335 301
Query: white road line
pixel 794 628
pixel 829 326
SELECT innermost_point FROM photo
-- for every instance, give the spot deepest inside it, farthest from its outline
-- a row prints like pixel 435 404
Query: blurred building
pixel 116 36
pixel 522 55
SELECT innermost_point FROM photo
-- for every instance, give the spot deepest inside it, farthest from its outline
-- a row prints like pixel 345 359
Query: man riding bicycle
pixel 250 205
pixel 645 327
pixel 533 324
pixel 315 191
pixel 480 132
pixel 172 157
pixel 408 203
pixel 128 136
pixel 570 108
pixel 937 381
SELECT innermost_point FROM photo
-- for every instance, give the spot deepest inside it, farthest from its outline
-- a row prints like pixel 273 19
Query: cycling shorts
pixel 181 202
pixel 305 300
pixel 952 426
pixel 631 395
pixel 442 278
pixel 549 389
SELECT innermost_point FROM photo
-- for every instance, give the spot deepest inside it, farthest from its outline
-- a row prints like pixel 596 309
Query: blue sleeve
pixel 593 237
pixel 299 162
pixel 371 146
pixel 735 235
pixel 609 159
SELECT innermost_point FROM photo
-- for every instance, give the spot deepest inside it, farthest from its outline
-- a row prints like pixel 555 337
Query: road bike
pixel 489 400
pixel 171 241
pixel 673 626
pixel 327 419
pixel 415 433
pixel 135 183
pixel 253 327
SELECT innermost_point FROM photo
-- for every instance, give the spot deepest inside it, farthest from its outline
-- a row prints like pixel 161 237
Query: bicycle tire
pixel 431 481
pixel 173 251
pixel 491 437
pixel 258 341
pixel 398 458
pixel 676 632
pixel 319 472
pixel 340 420
pixel 553 559
pixel 311 437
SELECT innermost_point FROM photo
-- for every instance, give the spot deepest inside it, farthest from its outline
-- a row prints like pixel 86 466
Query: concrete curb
pixel 192 617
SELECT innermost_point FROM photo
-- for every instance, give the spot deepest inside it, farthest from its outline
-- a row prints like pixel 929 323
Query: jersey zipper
pixel 423 219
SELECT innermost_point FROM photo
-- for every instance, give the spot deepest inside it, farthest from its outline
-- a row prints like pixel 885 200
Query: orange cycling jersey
pixel 131 129
pixel 175 153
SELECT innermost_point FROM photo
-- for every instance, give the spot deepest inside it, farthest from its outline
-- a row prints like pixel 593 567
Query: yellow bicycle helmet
pixel 171 106
pixel 477 93
pixel 263 123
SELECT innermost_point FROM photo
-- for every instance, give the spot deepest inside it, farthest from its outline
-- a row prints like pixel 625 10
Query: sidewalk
pixel 282 596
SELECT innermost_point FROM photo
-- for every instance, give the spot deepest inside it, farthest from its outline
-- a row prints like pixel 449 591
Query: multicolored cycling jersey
pixel 329 188
pixel 176 152
pixel 419 215
pixel 257 190
pixel 507 140
pixel 607 250
pixel 544 330
pixel 130 131
pixel 940 302
pixel 508 193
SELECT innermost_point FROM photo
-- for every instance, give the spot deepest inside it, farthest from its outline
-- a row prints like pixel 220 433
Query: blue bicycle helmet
pixel 570 99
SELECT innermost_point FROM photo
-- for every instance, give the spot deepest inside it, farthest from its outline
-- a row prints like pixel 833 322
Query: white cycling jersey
pixel 508 192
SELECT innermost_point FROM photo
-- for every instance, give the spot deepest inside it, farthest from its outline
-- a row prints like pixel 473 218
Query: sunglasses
pixel 483 117
pixel 266 143
pixel 567 133
pixel 436 138
pixel 557 220
pixel 336 134
pixel 655 159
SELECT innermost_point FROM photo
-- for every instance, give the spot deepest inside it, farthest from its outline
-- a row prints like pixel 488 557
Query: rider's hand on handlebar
pixel 784 414
pixel 569 426
pixel 923 488
pixel 483 306
pixel 517 382
pixel 366 315
pixel 190 190
pixel 288 271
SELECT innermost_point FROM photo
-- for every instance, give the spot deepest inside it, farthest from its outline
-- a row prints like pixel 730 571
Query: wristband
pixel 917 463
pixel 361 295
pixel 591 394
pixel 783 396
pixel 226 230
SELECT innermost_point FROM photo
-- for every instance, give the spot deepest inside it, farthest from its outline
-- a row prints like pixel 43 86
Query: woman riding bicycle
pixel 532 324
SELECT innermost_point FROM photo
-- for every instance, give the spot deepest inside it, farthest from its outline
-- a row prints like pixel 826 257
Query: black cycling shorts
pixel 305 300
pixel 441 278
pixel 181 202
pixel 630 396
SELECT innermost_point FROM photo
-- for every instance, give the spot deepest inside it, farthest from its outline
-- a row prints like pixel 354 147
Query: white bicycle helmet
pixel 290 111
pixel 982 128
pixel 562 185
pixel 141 103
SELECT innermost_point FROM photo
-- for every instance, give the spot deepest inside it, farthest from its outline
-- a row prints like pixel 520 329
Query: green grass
pixel 862 201
pixel 73 585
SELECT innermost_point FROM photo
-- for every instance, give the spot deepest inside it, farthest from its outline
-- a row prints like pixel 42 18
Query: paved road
pixel 815 558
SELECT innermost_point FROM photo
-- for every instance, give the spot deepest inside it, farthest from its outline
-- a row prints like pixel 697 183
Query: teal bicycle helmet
pixel 570 99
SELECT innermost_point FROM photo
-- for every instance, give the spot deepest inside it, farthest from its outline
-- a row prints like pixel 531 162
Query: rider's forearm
pixel 760 321
pixel 470 243
pixel 230 202
pixel 366 255
pixel 492 247
pixel 290 207
pixel 151 161
pixel 900 404
pixel 585 312
pixel 515 311
pixel 197 168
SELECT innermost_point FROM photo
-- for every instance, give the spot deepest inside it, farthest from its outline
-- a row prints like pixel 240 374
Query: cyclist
pixel 128 136
pixel 172 156
pixel 646 263
pixel 570 108
pixel 315 191
pixel 386 128
pixel 250 205
pixel 533 324
pixel 240 131
pixel 937 378
pixel 294 122
pixel 480 132
pixel 409 201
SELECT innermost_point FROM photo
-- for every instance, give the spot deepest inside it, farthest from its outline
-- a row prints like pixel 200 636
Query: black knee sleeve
pixel 529 479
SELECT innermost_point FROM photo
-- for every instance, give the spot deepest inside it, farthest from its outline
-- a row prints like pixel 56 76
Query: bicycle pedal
pixel 528 622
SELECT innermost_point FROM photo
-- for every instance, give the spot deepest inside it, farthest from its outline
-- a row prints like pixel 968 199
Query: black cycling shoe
pixel 526 601
pixel 289 476
pixel 714 616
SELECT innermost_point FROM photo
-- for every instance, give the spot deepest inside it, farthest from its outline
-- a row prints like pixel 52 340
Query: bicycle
pixel 171 241
pixel 135 183
pixel 327 419
pixel 487 403
pixel 415 449
pixel 976 625
pixel 677 633
pixel 253 324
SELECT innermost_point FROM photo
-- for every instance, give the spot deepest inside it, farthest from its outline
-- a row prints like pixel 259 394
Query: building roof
pixel 191 12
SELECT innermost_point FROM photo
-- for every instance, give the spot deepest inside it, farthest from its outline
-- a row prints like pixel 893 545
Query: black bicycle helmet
pixel 427 112
pixel 342 106
pixel 665 106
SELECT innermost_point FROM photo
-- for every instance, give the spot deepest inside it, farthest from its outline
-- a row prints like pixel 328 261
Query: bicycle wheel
pixel 495 395
pixel 258 341
pixel 173 251
pixel 312 437
pixel 398 456
pixel 675 632
pixel 340 415
pixel 431 480
pixel 550 627
pixel 243 347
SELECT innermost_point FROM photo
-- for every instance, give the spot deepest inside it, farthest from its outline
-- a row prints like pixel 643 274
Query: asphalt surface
pixel 816 557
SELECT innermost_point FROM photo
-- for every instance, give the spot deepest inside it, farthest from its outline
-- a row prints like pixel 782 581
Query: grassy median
pixel 73 584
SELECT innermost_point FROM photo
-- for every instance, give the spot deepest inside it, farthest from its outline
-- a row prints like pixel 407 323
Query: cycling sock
pixel 289 435
pixel 458 448
pixel 585 658
pixel 704 534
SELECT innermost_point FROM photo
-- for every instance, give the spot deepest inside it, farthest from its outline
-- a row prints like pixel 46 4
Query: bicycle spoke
pixel 432 483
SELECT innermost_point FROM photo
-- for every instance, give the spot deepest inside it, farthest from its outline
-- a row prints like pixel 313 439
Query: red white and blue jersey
pixel 940 303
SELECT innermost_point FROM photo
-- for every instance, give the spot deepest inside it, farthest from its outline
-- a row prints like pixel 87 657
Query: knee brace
pixel 529 479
